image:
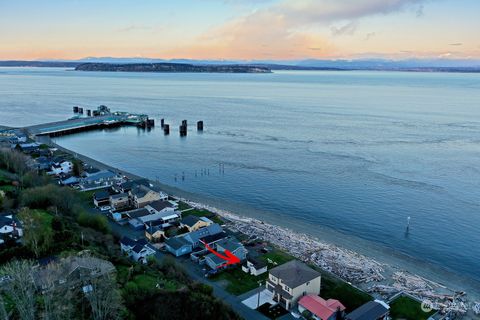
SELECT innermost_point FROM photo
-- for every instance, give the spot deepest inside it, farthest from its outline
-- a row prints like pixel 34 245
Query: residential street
pixel 194 271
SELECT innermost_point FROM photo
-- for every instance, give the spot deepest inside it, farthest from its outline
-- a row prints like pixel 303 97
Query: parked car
pixel 105 208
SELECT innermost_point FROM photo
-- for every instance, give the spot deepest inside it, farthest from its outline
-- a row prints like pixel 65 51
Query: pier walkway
pixel 85 123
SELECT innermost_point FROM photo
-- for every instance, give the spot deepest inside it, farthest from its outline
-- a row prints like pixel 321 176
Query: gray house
pixel 231 245
pixel 178 246
pixel 372 310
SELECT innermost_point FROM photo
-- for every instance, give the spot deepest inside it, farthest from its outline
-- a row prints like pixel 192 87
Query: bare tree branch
pixel 21 287
pixel 105 300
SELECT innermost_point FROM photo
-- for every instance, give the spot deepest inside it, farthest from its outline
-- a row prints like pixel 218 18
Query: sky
pixel 239 29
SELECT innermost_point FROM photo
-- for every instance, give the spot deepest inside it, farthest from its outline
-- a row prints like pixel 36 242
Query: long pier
pixel 88 123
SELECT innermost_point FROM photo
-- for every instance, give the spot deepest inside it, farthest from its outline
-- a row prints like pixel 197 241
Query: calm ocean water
pixel 354 152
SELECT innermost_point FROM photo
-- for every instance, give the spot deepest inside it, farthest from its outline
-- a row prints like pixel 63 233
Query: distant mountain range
pixel 433 65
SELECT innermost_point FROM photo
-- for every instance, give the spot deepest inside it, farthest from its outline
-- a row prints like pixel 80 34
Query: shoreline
pixel 381 276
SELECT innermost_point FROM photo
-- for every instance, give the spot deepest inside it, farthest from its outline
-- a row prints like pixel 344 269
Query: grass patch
pixel 145 281
pixel 46 218
pixel 86 197
pixel 203 213
pixel 183 206
pixel 334 288
pixel 272 313
pixel 405 308
pixel 94 221
pixel 277 256
pixel 239 282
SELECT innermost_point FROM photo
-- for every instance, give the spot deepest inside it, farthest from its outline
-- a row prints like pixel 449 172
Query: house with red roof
pixel 321 309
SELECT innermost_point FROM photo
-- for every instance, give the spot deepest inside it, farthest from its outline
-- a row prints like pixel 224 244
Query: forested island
pixel 171 67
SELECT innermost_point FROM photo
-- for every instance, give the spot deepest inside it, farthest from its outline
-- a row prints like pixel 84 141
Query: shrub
pixel 96 222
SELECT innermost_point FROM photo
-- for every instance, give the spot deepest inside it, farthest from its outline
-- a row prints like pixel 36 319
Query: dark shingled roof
pixel 369 311
pixel 176 243
pixel 160 205
pixel 138 213
pixel 128 241
pixel 294 273
pixel 140 191
pixel 138 248
pixel 257 263
pixel 102 194
pixel 190 220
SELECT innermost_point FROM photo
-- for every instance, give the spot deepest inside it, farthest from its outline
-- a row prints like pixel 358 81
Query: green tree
pixel 77 167
pixel 3 312
pixel 38 234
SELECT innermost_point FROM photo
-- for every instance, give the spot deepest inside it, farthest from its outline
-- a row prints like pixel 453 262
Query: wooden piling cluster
pixel 182 129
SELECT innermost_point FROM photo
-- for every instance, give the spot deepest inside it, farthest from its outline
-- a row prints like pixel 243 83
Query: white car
pixel 105 208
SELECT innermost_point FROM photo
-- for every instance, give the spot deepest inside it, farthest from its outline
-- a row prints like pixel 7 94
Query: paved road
pixel 195 272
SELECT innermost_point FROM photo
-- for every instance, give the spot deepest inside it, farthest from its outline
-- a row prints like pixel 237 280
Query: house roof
pixel 323 309
pixel 229 244
pixel 294 273
pixel 140 191
pixel 118 196
pixel 101 195
pixel 160 205
pixel 215 259
pixel 9 220
pixel 66 266
pixel 137 213
pixel 368 311
pixel 257 263
pixel 215 237
pixel 104 174
pixel 126 241
pixel 137 248
pixel 70 180
pixel 190 220
pixel 195 236
pixel 177 242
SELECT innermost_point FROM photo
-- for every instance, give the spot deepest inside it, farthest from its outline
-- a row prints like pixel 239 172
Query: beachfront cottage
pixel 292 280
pixel 254 267
pixel 127 186
pixel 185 243
pixel 178 246
pixel 232 245
pixel 321 309
pixel 372 310
pixel 10 228
pixel 159 206
pixel 142 195
pixel 120 201
pixel 98 180
pixel 137 250
pixel 101 198
pixel 193 223
pixel 210 235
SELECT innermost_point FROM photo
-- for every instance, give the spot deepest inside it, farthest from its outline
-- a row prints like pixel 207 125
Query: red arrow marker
pixel 229 257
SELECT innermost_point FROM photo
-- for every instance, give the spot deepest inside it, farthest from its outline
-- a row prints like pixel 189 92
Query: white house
pixel 62 167
pixel 137 250
pixel 9 228
pixel 254 267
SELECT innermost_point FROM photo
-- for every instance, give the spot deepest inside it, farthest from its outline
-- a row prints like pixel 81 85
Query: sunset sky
pixel 239 29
